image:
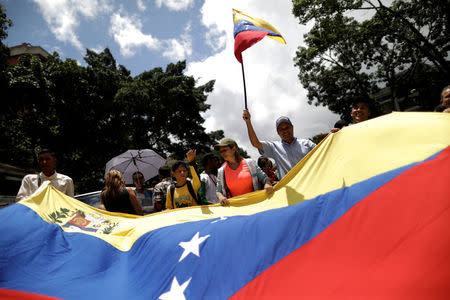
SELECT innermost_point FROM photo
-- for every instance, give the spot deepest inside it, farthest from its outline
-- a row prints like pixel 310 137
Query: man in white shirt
pixel 47 163
pixel 208 179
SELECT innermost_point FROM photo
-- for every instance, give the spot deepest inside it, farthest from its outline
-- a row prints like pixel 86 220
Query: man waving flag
pixel 248 31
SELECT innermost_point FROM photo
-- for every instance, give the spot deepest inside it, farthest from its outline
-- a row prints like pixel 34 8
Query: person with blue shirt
pixel 287 152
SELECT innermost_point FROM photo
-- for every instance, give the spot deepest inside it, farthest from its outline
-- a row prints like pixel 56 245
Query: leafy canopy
pixel 357 47
pixel 90 114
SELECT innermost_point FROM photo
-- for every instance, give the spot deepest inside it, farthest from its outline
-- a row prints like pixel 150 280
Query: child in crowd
pixel 184 192
pixel 208 178
pixel 267 167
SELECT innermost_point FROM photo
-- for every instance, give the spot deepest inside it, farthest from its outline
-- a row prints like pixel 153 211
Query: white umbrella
pixel 145 161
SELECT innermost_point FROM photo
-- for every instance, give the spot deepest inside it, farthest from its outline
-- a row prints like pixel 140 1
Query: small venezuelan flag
pixel 248 31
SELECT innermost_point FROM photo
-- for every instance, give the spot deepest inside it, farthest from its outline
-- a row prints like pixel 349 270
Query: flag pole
pixel 243 78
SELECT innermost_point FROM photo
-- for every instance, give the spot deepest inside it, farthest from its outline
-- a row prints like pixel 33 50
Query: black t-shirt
pixel 119 204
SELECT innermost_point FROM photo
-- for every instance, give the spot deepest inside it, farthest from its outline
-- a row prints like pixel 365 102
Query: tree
pixel 5 23
pixel 164 111
pixel 88 115
pixel 345 58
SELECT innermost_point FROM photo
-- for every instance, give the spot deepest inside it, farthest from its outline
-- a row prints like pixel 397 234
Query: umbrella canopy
pixel 145 161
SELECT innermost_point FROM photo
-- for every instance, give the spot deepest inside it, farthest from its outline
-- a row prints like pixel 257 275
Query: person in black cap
pixel 287 152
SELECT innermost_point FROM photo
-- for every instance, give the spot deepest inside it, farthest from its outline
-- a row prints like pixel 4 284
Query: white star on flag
pixel 176 291
pixel 221 219
pixel 192 246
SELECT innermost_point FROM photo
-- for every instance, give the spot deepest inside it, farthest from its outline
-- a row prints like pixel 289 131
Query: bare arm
pixel 135 202
pixel 334 130
pixel 102 205
pixel 223 200
pixel 268 186
pixel 251 132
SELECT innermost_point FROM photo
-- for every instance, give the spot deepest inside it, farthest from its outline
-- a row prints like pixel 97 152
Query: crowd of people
pixel 235 177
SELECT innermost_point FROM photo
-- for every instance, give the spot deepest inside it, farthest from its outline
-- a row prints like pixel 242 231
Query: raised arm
pixel 190 156
pixel 251 132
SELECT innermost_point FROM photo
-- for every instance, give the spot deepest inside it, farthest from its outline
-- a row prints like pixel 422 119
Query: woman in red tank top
pixel 237 176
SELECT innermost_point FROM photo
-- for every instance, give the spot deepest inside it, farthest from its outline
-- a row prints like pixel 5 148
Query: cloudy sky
pixel 143 34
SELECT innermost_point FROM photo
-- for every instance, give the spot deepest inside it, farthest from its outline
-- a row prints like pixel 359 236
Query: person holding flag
pixel 287 152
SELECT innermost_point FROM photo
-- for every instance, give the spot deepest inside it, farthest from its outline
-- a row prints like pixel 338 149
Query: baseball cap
pixel 283 119
pixel 225 142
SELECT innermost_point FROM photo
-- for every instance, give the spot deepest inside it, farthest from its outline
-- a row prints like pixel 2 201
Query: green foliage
pixel 56 216
pixel 397 46
pixel 109 228
pixel 5 23
pixel 318 138
pixel 88 115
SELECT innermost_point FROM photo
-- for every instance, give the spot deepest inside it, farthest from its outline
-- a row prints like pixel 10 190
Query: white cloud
pixel 273 88
pixel 216 38
pixel 140 4
pixel 181 48
pixel 127 33
pixel 98 49
pixel 176 5
pixel 62 16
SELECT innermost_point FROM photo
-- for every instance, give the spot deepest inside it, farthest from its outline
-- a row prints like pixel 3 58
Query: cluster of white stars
pixel 193 246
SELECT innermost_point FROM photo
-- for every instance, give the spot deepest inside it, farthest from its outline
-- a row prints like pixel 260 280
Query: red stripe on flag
pixel 246 39
pixel 393 244
pixel 11 294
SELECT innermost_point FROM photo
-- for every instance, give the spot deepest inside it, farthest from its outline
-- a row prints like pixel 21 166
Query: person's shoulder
pixel 249 161
pixel 62 176
pixel 270 143
pixel 222 167
pixel 305 142
pixel 30 176
pixel 128 189
pixel 163 183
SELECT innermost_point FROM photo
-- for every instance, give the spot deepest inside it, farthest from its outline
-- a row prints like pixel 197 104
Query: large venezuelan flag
pixel 249 30
pixel 365 215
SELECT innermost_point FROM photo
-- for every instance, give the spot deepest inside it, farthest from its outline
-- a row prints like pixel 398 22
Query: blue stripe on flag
pixel 245 25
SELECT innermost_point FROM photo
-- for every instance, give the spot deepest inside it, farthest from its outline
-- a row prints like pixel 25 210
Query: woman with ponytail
pixel 116 197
